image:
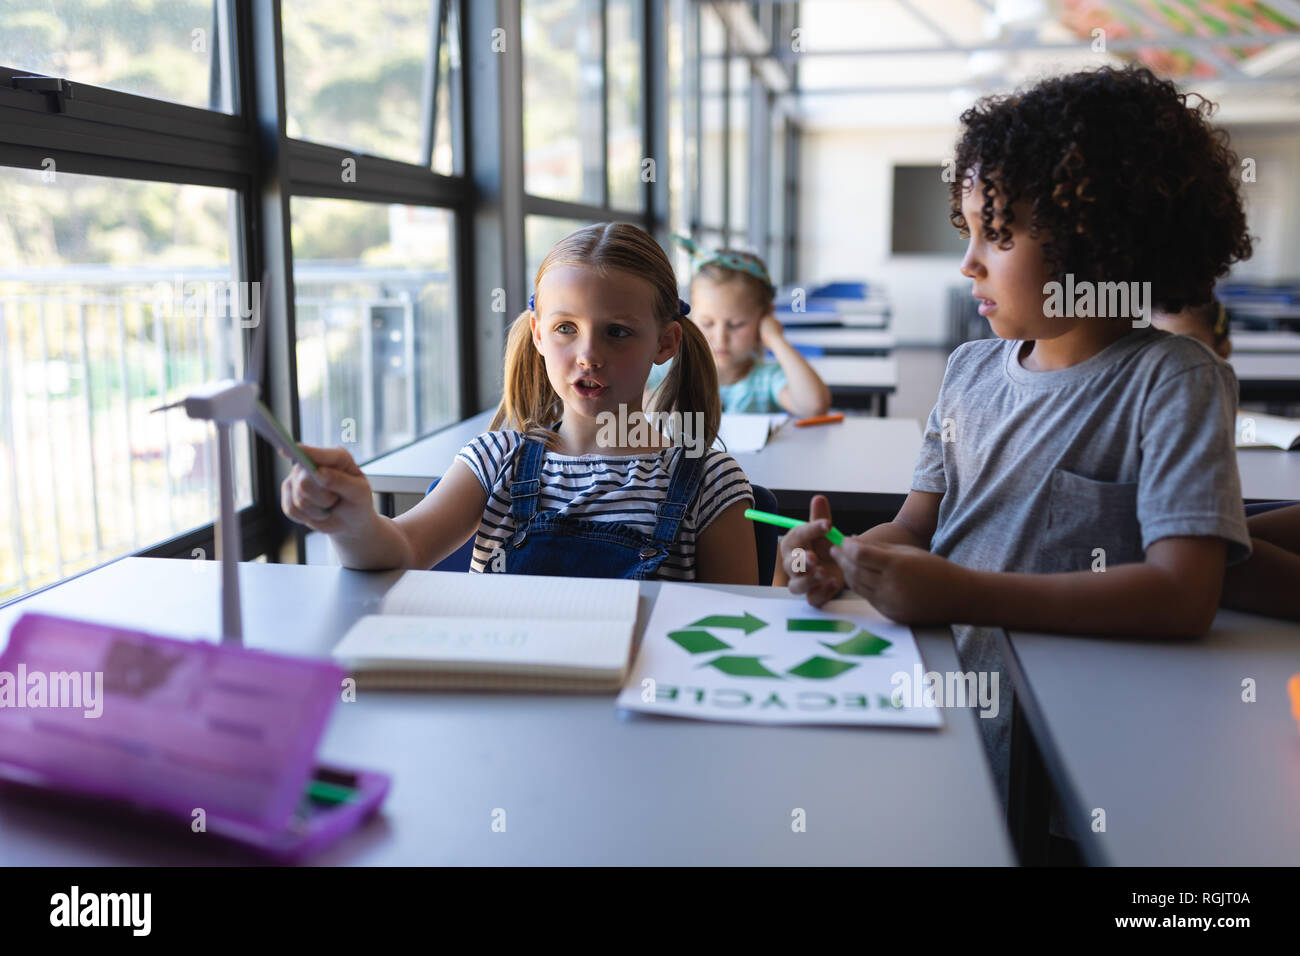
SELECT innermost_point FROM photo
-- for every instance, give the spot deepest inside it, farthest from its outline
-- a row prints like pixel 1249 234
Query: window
pixel 130 214
pixel 376 323
pixel 713 132
pixel 114 300
pixel 623 56
pixel 353 73
pixel 563 90
pixel 738 151
pixel 540 233
pixel 178 52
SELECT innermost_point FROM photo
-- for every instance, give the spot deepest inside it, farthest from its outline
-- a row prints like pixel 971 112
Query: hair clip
pixel 727 260
pixel 531 299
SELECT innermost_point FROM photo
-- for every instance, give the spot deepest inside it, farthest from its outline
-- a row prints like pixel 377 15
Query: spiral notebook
pixel 454 630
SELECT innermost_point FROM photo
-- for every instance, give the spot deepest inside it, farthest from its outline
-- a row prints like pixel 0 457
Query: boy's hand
pixel 906 584
pixel 770 330
pixel 806 556
pixel 335 500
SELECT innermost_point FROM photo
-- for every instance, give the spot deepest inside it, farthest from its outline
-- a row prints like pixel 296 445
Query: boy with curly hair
pixel 1077 472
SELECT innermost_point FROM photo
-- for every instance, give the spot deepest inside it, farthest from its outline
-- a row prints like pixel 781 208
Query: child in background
pixel 732 298
pixel 1266 582
pixel 548 489
pixel 1206 323
pixel 1077 473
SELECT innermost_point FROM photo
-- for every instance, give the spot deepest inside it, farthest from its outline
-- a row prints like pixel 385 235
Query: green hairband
pixel 727 260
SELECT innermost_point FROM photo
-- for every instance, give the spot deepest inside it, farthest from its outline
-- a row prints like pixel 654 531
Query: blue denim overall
pixel 544 542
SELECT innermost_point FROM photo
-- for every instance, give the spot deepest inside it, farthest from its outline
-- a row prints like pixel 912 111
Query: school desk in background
pixel 219 738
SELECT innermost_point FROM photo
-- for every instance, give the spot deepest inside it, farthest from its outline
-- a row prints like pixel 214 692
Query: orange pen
pixel 821 419
pixel 1293 688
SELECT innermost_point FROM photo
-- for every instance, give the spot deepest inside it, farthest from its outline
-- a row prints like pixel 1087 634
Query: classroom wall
pixel 845 210
pixel 1272 200
pixel 845 198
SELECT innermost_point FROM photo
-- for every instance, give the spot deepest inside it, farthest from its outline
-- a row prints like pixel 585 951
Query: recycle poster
pixel 713 655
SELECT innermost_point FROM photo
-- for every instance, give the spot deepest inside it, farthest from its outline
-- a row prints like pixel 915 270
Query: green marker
pixel 835 536
pixel 324 792
pixel 269 427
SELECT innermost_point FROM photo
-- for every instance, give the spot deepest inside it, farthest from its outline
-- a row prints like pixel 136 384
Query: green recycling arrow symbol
pixel 818 624
pixel 697 642
pixel 821 668
pixel 861 644
pixel 742 666
pixel 749 624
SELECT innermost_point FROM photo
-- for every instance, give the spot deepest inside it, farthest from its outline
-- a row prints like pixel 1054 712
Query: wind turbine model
pixel 226 403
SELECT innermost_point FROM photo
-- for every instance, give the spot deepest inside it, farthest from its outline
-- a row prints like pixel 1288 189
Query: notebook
pixel 453 630
pixel 748 432
pixel 1257 430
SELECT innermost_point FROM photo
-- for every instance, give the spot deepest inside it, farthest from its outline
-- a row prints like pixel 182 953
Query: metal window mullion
pixel 604 102
pixel 7 424
pixel 90 428
pixel 160 350
pixel 49 442
pixel 760 164
pixel 456 89
pixel 367 378
pixel 697 72
pixel 126 414
pixel 429 84
pixel 726 135
pixel 408 352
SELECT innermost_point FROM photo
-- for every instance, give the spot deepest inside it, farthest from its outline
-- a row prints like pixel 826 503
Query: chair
pixel 765 536
pixel 1259 507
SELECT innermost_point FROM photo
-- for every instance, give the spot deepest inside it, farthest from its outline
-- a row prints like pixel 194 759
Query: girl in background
pixel 733 305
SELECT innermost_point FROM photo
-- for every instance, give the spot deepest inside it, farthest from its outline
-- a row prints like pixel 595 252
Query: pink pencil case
pixel 204 732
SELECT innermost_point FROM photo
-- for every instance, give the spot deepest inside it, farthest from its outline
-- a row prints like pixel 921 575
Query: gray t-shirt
pixel 1039 470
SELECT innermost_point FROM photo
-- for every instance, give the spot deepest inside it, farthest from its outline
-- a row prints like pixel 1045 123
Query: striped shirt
pixel 624 488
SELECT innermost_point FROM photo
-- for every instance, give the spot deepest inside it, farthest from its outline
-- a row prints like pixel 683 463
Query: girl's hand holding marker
pixel 334 499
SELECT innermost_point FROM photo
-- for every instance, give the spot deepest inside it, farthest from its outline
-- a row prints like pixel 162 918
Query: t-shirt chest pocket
pixel 1085 515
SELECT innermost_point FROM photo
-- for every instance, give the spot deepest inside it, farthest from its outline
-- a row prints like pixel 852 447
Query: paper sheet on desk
pixel 714 655
pixel 747 432
pixel 1257 430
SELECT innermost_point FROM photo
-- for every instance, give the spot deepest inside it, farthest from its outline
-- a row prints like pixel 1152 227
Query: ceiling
pixel 901 63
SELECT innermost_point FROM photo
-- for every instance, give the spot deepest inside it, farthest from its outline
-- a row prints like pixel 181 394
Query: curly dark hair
pixel 1124 179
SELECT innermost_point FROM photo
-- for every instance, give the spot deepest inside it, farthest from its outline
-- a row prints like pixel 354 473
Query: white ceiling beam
pixel 1018 46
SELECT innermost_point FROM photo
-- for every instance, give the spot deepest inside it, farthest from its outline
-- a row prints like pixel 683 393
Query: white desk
pixel 873 318
pixel 858 382
pixel 862 464
pixel 1156 734
pixel 1247 341
pixel 582 783
pixel 1267 376
pixel 1268 474
pixel 845 341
